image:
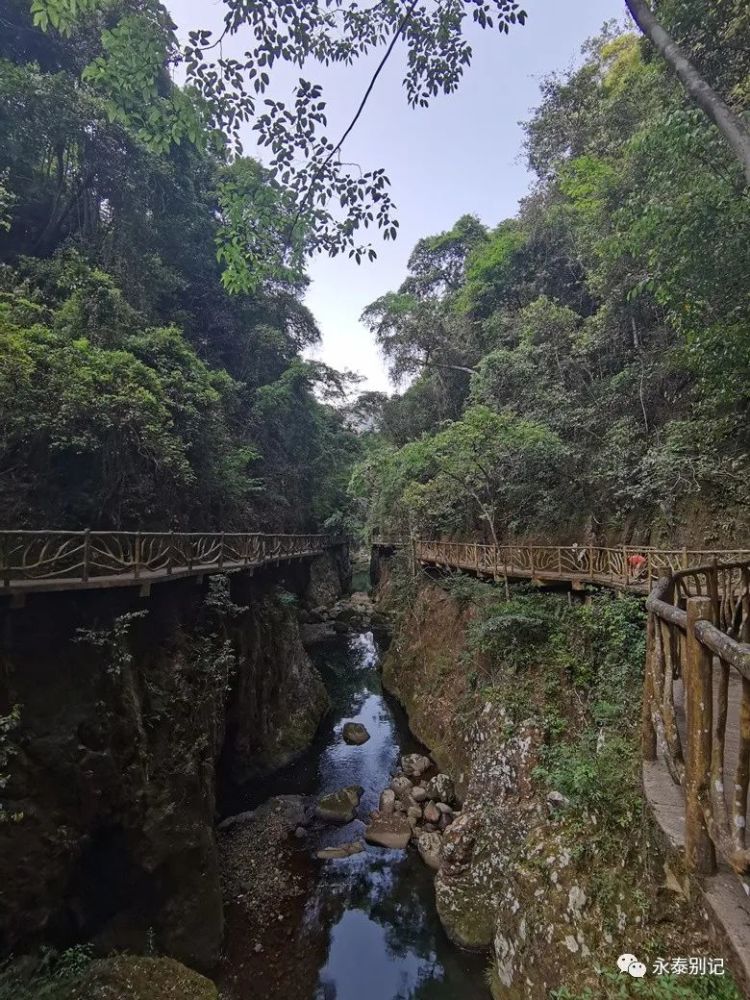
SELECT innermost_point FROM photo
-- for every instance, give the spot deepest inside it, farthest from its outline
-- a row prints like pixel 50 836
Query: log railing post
pixel 221 551
pixel 648 731
pixel 86 554
pixel 137 556
pixel 170 553
pixel 745 627
pixel 699 850
pixel 6 560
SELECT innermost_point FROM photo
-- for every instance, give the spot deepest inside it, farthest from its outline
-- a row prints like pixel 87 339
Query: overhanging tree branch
pixel 370 87
pixel 728 123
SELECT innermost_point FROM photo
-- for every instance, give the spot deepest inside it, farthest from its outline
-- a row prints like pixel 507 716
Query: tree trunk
pixel 728 123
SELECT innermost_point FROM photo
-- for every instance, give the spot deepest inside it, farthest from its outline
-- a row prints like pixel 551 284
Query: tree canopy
pixel 134 389
pixel 606 327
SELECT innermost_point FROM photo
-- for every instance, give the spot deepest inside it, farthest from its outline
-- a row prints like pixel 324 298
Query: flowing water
pixel 367 928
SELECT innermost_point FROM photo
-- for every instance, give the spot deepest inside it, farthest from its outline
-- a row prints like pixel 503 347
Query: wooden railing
pixel 696 704
pixel 72 559
pixel 626 566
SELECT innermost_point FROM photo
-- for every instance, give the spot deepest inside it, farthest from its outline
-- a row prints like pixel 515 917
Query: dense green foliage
pixel 134 389
pixel 607 325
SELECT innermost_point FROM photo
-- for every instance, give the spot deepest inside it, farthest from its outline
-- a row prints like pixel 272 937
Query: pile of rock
pixel 419 806
pixel 350 614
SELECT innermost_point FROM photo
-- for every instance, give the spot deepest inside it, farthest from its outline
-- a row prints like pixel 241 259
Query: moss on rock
pixel 137 978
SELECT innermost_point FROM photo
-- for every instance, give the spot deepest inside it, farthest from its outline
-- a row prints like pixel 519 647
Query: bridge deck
pixel 545 576
pixel 53 561
pixel 143 578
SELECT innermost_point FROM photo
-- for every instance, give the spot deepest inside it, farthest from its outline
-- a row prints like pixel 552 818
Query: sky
pixel 461 155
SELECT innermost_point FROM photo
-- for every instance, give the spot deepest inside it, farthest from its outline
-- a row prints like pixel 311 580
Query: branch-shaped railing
pixel 625 566
pixel 697 704
pixel 87 558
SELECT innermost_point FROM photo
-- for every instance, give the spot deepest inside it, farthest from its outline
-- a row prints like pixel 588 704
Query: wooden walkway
pixel 625 567
pixel 48 561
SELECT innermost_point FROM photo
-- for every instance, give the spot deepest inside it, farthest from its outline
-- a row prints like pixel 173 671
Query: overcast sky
pixel 463 154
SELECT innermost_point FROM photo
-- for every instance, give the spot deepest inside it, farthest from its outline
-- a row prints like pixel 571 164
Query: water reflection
pixel 369 922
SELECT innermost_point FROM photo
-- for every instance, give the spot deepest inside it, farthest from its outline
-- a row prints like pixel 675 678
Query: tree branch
pixel 728 123
pixel 396 35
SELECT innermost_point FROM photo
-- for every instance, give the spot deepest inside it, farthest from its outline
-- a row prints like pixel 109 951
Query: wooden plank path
pixel 44 561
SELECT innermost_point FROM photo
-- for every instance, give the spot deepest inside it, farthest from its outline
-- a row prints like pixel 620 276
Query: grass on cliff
pixel 578 668
pixel 614 986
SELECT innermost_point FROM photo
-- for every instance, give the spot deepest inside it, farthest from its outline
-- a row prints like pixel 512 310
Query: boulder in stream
pixel 355 734
pixel 431 813
pixel 230 821
pixel 402 786
pixel 440 789
pixel 339 806
pixel 414 765
pixel 340 851
pixel 389 831
pixel 387 802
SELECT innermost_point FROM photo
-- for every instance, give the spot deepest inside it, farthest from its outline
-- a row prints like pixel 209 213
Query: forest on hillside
pixel 583 366
pixel 135 388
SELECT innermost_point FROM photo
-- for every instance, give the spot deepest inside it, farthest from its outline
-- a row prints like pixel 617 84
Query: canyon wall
pixel 115 714
pixel 531 704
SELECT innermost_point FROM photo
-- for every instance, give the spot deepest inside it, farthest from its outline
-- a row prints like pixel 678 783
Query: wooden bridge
pixel 35 561
pixel 696 701
pixel 625 567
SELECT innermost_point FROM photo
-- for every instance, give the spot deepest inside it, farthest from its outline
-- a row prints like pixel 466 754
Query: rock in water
pixel 414 814
pixel 387 802
pixel 414 765
pixel 402 786
pixel 431 813
pixel 230 821
pixel 440 789
pixel 430 849
pixel 418 794
pixel 389 831
pixel 355 734
pixel 339 806
pixel 342 851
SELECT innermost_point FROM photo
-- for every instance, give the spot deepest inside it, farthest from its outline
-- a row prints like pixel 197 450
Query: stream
pixel 366 927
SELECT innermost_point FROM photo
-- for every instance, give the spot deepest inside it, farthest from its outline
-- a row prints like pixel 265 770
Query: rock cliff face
pixel 329 577
pixel 126 708
pixel 552 890
pixel 278 698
